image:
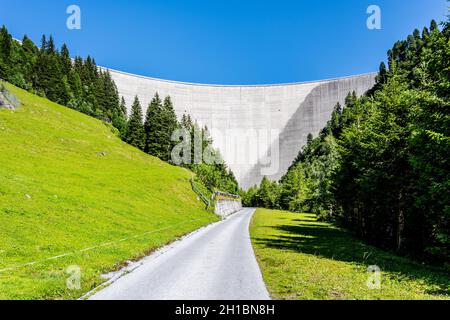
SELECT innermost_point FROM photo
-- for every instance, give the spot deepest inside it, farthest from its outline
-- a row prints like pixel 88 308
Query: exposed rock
pixel 5 104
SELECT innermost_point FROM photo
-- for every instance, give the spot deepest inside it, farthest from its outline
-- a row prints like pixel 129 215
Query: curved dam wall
pixel 258 129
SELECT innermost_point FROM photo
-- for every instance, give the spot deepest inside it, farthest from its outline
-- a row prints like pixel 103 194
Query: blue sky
pixel 226 41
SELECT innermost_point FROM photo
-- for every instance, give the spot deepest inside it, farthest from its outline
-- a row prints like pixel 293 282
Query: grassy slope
pixel 58 195
pixel 304 259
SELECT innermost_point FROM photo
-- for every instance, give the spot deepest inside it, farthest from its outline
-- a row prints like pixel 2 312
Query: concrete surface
pixel 216 263
pixel 280 116
pixel 225 208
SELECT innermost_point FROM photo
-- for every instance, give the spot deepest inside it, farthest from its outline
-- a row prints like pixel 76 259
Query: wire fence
pixel 200 194
pixel 216 197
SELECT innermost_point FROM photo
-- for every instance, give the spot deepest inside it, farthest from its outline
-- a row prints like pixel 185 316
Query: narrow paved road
pixel 216 263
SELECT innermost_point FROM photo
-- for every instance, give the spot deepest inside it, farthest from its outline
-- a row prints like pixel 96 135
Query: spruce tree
pixel 30 52
pixel 43 43
pixel 101 99
pixel 335 124
pixel 112 100
pixel 41 69
pixel 171 123
pixel 119 119
pixel 5 54
pixel 66 62
pixel 78 66
pixel 123 107
pixel 135 134
pixel 75 84
pixel 153 127
pixel 309 139
pixel 433 26
pixel 55 90
pixel 50 48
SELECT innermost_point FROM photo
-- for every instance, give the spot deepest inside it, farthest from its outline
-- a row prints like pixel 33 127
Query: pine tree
pixel 433 26
pixel 135 134
pixel 5 52
pixel 170 120
pixel 267 195
pixel 41 69
pixel 186 122
pixel 309 139
pixel 119 119
pixel 50 48
pixel 30 53
pixel 335 124
pixel 112 100
pixel 76 86
pixel 66 62
pixel 43 43
pixel 78 66
pixel 382 74
pixel 101 100
pixel 55 89
pixel 123 107
pixel 154 127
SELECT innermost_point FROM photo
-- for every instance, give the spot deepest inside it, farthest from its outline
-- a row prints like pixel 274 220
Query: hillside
pixel 73 194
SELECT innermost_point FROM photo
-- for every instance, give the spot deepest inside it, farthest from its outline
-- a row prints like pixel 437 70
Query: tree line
pixel 81 85
pixel 51 73
pixel 153 134
pixel 381 165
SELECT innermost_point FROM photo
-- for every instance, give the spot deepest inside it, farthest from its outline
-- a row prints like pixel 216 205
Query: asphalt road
pixel 215 263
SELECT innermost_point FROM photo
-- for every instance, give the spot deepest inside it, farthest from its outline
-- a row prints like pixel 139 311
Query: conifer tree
pixel 119 119
pixel 123 107
pixel 42 69
pixel 30 52
pixel 433 26
pixel 66 63
pixel 43 43
pixel 335 124
pixel 153 127
pixel 76 86
pixel 135 134
pixel 171 123
pixel 112 100
pixel 5 54
pixel 50 48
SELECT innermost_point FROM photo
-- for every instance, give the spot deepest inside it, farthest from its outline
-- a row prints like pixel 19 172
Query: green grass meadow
pixel 69 187
pixel 303 259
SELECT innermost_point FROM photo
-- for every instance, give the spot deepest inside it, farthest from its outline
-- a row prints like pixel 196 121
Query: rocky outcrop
pixel 7 101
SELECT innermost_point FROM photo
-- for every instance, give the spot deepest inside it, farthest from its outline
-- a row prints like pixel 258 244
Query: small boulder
pixel 4 103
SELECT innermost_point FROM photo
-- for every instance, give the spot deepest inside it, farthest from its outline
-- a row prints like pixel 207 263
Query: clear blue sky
pixel 226 41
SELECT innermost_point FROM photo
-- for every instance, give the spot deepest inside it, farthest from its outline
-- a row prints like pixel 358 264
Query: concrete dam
pixel 259 130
